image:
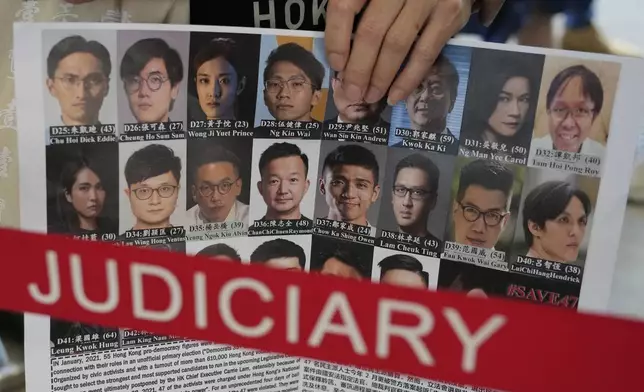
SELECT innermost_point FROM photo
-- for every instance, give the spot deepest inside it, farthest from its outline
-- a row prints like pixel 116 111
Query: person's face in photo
pixel 87 196
pixel 153 200
pixel 335 267
pixel 284 263
pixel 352 111
pixel 560 238
pixel 571 116
pixel 289 94
pixel 80 86
pixel 412 199
pixel 430 102
pixel 216 189
pixel 471 225
pixel 403 278
pixel 283 184
pixel 218 86
pixel 512 107
pixel 349 191
pixel 151 94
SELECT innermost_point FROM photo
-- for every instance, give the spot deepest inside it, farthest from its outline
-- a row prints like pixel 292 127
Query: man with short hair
pixel 354 112
pixel 152 72
pixel 284 170
pixel 403 270
pixel 78 73
pixel 293 80
pixel 280 254
pixel 220 251
pixel 573 103
pixel 217 184
pixel 414 194
pixel 433 100
pixel 481 208
pixel 343 262
pixel 350 184
pixel 153 175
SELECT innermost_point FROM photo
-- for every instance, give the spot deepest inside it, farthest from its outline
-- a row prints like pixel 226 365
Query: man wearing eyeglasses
pixel 292 83
pixel 284 170
pixel 414 194
pixel 481 208
pixel 153 174
pixel 574 100
pixel 216 185
pixel 432 101
pixel 151 72
pixel 78 77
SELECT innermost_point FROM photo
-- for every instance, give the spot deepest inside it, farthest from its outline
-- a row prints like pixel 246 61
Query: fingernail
pixel 353 92
pixel 336 61
pixel 373 94
pixel 395 95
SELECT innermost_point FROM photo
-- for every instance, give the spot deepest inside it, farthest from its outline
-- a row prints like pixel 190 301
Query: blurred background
pixel 615 27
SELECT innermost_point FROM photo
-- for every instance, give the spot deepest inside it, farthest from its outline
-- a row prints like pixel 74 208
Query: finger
pixel 489 11
pixel 374 24
pixel 396 45
pixel 339 27
pixel 446 19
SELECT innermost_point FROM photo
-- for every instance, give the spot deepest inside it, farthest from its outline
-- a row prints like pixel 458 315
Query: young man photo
pixel 349 183
pixel 481 208
pixel 414 194
pixel 78 75
pixel 217 184
pixel 284 169
pixel 293 80
pixel 403 270
pixel 152 72
pixel 153 176
pixel 280 254
pixel 343 262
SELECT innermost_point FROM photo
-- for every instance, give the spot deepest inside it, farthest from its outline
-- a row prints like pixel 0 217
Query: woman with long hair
pixel 81 199
pixel 505 107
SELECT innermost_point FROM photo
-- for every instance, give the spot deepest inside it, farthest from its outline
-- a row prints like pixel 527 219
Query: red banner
pixel 495 343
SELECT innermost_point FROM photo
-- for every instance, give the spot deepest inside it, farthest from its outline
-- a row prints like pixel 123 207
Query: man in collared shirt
pixel 354 112
pixel 78 72
pixel 216 185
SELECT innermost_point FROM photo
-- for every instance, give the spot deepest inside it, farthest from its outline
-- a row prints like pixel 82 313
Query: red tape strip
pixel 495 343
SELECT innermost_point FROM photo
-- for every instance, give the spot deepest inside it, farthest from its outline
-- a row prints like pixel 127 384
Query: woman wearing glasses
pixel 574 101
pixel 81 198
pixel 151 72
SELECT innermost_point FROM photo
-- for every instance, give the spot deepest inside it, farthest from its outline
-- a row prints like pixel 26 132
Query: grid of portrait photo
pixel 246 148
